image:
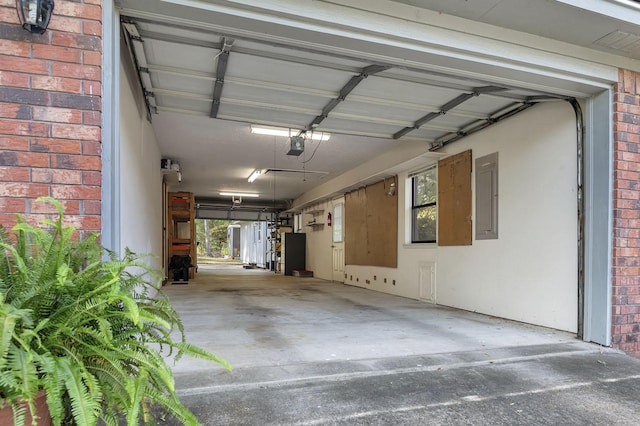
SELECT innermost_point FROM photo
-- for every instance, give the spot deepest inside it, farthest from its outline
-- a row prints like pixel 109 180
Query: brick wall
pixel 626 219
pixel 50 114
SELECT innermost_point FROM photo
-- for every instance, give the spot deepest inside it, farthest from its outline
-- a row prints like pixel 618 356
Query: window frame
pixel 417 207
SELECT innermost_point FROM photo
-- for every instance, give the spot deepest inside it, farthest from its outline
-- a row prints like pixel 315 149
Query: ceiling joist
pixel 446 108
pixel 344 92
pixel 221 70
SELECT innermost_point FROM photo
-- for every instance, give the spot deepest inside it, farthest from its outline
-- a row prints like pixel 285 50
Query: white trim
pixel 110 203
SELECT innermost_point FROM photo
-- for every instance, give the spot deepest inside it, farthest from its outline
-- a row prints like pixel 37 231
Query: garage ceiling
pixel 205 89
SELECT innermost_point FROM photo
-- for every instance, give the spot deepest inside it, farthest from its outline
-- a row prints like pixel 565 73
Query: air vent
pixel 621 41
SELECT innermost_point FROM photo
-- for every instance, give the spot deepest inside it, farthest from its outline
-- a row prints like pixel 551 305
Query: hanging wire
pixel 314 151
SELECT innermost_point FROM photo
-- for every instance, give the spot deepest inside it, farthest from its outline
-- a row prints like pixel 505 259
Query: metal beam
pixel 344 92
pixel 480 125
pixel 136 15
pixel 458 100
pixel 221 70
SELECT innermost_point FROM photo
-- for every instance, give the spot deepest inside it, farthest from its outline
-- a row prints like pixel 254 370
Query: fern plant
pixel 93 330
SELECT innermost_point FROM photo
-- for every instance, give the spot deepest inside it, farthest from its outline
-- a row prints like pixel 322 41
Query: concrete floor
pixel 311 352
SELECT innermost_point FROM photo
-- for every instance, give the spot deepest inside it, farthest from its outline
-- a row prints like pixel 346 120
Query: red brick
pixel 8 15
pixel 42 176
pixel 87 72
pixel 93 178
pixel 12 205
pixel 77 162
pixel 24 159
pixel 85 11
pixel 12 63
pixel 59 115
pixel 88 223
pixel 68 131
pixel 91 58
pixel 23 128
pixel 20 112
pixel 92 88
pixel 68 177
pixel 91 148
pixel 59 146
pixel 23 190
pixel 15 48
pixel 58 84
pixel 75 192
pixel 76 40
pixel 92 28
pixel 57 53
pixel 92 118
pixel 633 157
pixel 14 79
pixel 629 82
pixel 71 207
pixel 627 175
pixel 14 143
pixel 91 207
pixel 61 23
pixel 14 174
pixel 8 220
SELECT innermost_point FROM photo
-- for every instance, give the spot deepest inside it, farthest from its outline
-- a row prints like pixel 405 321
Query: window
pixel 337 223
pixel 423 206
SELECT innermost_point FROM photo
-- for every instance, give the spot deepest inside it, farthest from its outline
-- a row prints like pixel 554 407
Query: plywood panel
pixel 382 225
pixel 355 227
pixel 371 226
pixel 454 200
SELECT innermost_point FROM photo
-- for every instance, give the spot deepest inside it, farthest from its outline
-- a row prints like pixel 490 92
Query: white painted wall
pixel 530 273
pixel 141 178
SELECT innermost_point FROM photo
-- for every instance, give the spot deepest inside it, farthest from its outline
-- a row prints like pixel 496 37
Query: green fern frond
pixel 82 389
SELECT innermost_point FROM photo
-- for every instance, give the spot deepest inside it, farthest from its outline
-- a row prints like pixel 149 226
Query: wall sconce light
pixel 35 14
pixel 392 189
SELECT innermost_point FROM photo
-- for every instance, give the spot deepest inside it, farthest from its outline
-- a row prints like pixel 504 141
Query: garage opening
pixel 217 96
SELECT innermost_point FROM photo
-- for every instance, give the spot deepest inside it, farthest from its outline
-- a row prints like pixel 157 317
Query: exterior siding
pixel 626 214
pixel 50 114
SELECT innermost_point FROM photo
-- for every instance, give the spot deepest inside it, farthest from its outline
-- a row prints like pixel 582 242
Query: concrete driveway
pixel 310 352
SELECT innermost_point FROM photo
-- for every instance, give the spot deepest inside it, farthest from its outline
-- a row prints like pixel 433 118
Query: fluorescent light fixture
pixel 239 194
pixel 287 133
pixel 256 173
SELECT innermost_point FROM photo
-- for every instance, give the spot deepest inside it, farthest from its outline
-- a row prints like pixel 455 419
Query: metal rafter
pixel 344 92
pixel 447 107
pixel 221 70
pixel 478 125
pixel 136 16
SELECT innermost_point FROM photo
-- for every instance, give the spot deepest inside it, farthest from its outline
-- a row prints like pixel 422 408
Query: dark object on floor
pixel 180 265
pixel 302 273
pixel 249 266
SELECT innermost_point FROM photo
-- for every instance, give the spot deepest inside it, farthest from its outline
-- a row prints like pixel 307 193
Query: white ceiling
pixel 282 84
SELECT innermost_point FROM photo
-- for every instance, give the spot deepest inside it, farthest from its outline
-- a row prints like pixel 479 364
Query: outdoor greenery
pixel 91 329
pixel 217 231
pixel 424 211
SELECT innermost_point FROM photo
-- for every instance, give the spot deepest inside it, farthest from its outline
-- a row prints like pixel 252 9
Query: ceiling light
pixel 239 194
pixel 287 133
pixel 254 175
